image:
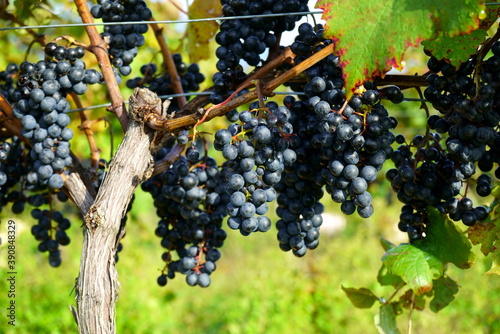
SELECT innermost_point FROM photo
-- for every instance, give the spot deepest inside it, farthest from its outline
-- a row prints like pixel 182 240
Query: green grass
pixel 256 288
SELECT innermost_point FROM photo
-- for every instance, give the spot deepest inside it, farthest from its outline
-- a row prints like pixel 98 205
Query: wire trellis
pixel 171 96
pixel 220 18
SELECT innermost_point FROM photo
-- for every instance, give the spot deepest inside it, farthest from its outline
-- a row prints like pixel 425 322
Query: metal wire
pixel 97 106
pixel 221 18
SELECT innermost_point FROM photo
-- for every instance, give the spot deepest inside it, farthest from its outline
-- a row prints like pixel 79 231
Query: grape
pixel 45 171
pixel 124 39
pixel 56 181
pixel 80 88
pixel 28 122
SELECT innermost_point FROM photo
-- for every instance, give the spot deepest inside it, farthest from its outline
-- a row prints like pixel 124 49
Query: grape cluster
pixel 161 83
pixel 433 169
pixel 7 82
pixel 248 39
pixel 50 230
pixel 340 146
pixel 190 202
pixel 123 39
pixel 12 170
pixel 60 52
pixel 31 172
pixel 336 151
pixel 426 175
pixel 40 104
pixel 256 153
pixel 352 138
pixel 41 107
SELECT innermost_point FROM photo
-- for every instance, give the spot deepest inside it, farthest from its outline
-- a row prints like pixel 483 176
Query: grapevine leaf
pixel 361 298
pixel 486 234
pixel 386 244
pixel 384 277
pixel 495 266
pixel 198 34
pixel 26 8
pixel 415 266
pixel 408 298
pixel 489 16
pixel 446 242
pixel 496 191
pixel 456 49
pixel 356 30
pixel 444 293
pixel 385 320
pixel 419 263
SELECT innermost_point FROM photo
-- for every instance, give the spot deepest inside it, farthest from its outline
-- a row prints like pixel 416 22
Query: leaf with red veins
pixel 371 37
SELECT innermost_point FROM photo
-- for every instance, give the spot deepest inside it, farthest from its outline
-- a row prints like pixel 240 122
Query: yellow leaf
pixel 495 266
pixel 198 34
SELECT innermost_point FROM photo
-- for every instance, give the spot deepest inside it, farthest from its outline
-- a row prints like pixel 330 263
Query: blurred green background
pixel 256 288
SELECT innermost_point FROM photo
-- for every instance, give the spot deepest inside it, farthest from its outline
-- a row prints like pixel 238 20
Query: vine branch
pixel 267 89
pixel 98 47
pixel 169 63
pixel 95 152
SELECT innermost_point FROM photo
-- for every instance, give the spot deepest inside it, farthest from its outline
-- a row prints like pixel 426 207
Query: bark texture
pixel 97 286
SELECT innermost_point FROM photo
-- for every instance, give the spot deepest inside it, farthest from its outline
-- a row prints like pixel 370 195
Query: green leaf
pixel 496 191
pixel 444 293
pixel 198 34
pixel 446 242
pixel 371 38
pixel 489 16
pixel 415 266
pixel 361 298
pixel 495 265
pixel 386 244
pixel 26 8
pixel 487 234
pixel 456 49
pixel 384 277
pixel 421 262
pixel 385 320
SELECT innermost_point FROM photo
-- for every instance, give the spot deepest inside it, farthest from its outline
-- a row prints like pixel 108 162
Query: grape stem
pixel 98 47
pixel 412 307
pixel 173 3
pixel 403 81
pixel 267 88
pixel 71 40
pixel 12 124
pixel 485 47
pixel 398 288
pixel 168 160
pixel 85 126
pixel 423 105
pixel 169 63
pixel 287 54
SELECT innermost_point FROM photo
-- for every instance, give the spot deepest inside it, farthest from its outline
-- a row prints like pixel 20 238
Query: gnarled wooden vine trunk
pixel 97 287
